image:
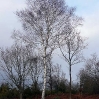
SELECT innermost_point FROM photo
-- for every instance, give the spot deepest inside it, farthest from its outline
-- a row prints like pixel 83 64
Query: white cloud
pixel 11 5
pixel 8 20
pixel 91 26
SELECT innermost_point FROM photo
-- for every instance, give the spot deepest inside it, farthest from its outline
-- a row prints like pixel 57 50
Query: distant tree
pixel 75 87
pixel 71 48
pixel 13 93
pixel 86 81
pixel 28 92
pixel 89 76
pixel 36 70
pixel 50 72
pixel 15 62
pixel 43 21
pixel 4 90
pixel 59 80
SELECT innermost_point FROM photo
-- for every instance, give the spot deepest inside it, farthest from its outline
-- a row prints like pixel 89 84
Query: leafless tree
pixel 43 21
pixel 71 49
pixel 36 69
pixel 15 63
pixel 59 79
pixel 89 75
pixel 92 66
pixel 50 71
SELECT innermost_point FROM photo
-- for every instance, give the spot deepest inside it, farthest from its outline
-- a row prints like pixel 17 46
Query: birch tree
pixel 36 69
pixel 15 62
pixel 71 50
pixel 43 21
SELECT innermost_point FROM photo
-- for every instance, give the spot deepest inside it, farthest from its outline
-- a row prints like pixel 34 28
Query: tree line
pixel 31 86
pixel 89 75
pixel 57 83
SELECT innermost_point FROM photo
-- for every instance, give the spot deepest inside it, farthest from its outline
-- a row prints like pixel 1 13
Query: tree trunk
pixel 44 84
pixel 50 82
pixel 20 95
pixel 51 88
pixel 43 91
pixel 70 80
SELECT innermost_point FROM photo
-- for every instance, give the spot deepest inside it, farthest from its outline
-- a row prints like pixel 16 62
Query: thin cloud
pixel 11 5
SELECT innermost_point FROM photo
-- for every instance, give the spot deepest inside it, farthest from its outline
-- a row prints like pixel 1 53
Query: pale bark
pixel 44 85
pixel 45 69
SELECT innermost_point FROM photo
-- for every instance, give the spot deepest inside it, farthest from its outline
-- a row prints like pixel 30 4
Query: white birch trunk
pixel 44 84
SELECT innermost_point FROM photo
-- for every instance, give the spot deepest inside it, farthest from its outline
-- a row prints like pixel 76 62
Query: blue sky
pixel 88 9
pixel 84 6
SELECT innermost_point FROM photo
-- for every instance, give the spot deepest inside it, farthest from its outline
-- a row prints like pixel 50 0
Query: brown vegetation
pixel 77 96
pixel 66 96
